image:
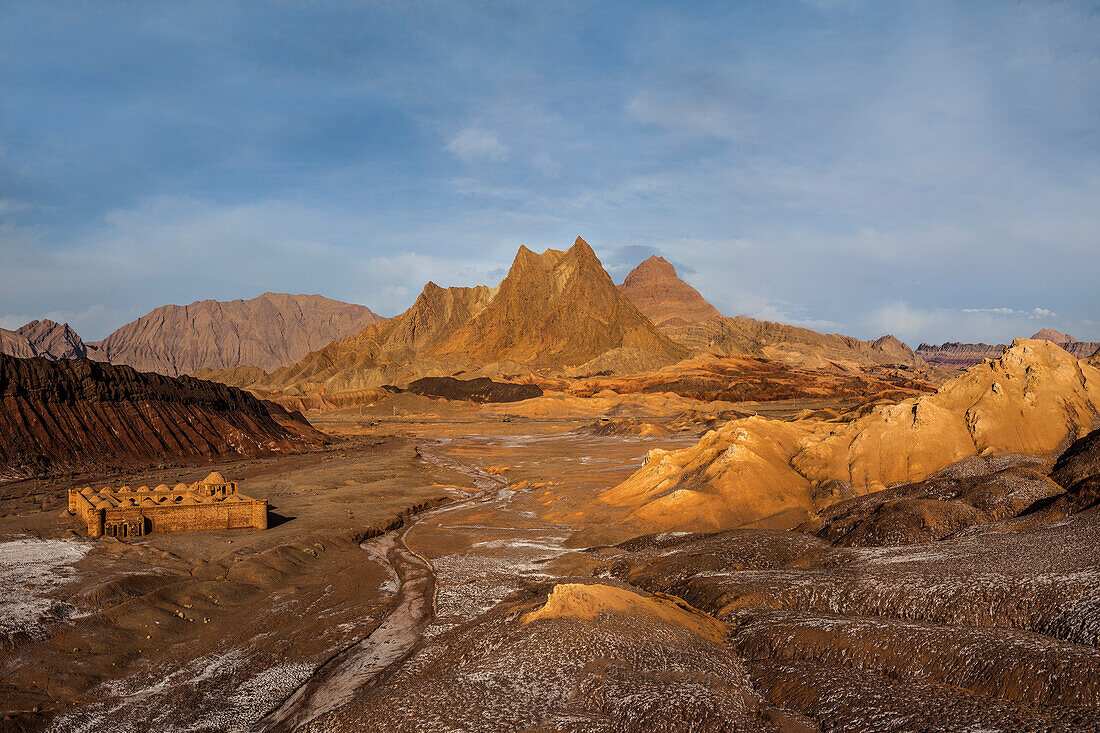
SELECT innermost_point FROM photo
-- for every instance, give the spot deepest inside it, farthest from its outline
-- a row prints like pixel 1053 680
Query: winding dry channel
pixel 344 676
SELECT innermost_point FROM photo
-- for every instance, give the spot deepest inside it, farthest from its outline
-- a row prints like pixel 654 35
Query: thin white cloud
pixel 476 144
pixel 998 324
pixel 1003 311
pixel 12 206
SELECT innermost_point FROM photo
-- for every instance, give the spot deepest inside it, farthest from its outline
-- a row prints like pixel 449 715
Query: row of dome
pixel 151 501
pixel 214 479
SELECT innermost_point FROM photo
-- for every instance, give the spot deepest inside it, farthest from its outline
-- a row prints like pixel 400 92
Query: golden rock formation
pixel 1035 399
pixel 556 310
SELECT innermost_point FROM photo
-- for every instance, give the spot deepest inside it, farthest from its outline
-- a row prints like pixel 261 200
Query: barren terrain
pixel 434 572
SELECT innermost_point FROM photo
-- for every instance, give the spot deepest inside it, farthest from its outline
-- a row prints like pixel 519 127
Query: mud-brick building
pixel 212 503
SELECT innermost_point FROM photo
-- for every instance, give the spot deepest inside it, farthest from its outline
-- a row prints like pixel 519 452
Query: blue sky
pixel 928 169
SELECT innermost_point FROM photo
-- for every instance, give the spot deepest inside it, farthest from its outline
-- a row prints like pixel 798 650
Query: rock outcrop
pixel 269 331
pixel 82 414
pixel 480 390
pixel 1034 400
pixel 44 338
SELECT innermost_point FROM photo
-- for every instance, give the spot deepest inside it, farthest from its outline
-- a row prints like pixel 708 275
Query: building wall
pixel 237 515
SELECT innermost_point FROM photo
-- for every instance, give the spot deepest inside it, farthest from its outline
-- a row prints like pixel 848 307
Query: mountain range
pixel 555 313
pixel 957 355
pixel 268 331
pixel 682 314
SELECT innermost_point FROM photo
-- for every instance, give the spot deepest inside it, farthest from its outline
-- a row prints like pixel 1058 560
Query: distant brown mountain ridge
pixel 956 355
pixel 269 331
pixel 44 338
pixel 265 332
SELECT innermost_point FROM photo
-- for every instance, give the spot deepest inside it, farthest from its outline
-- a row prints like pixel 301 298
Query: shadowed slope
pixel 78 413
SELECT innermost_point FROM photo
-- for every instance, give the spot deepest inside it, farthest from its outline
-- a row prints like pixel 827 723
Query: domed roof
pixel 180 487
pixel 214 478
pixel 161 487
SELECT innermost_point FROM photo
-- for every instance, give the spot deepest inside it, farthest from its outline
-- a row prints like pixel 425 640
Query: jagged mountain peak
pixel 44 337
pixel 554 310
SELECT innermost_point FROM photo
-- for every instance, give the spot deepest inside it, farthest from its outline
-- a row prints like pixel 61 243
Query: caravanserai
pixel 212 503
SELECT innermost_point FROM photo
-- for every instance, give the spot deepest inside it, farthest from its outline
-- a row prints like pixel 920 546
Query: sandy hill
pixel 958 355
pixel 659 293
pixel 1035 399
pixel 554 311
pixel 77 413
pixel 44 338
pixel 269 331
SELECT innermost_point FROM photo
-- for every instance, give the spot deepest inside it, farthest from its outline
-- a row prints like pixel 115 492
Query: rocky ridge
pixel 687 318
pixel 81 414
pixel 44 338
pixel 958 355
